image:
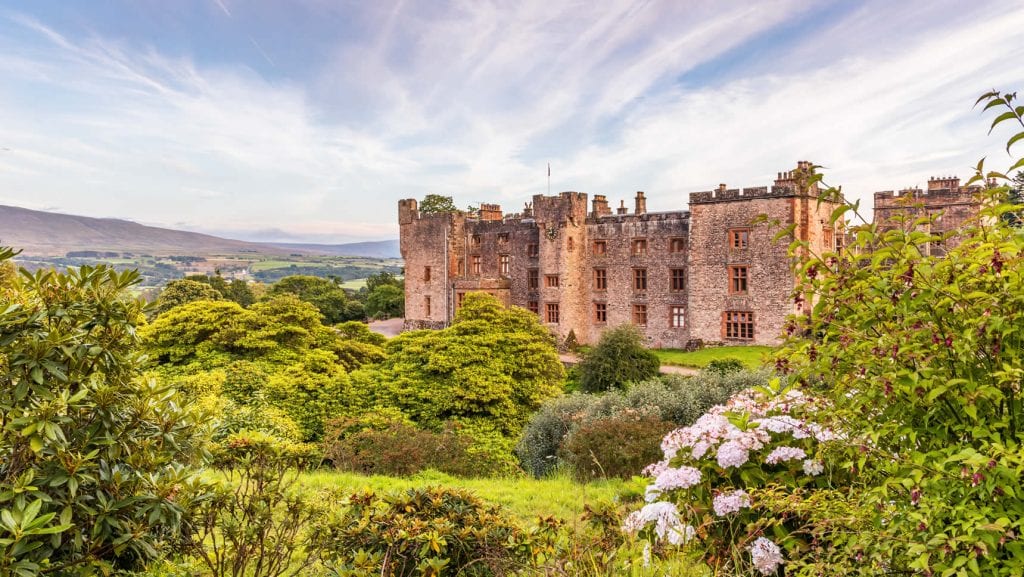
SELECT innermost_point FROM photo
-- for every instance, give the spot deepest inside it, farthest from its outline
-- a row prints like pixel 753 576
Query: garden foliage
pixel 620 357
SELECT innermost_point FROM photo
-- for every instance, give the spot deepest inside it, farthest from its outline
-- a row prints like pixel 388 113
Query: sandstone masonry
pixel 711 273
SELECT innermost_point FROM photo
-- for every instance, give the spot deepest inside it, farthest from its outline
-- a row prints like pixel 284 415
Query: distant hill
pixel 378 249
pixel 40 233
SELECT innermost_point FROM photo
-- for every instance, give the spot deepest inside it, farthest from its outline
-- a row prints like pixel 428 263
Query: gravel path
pixel 571 359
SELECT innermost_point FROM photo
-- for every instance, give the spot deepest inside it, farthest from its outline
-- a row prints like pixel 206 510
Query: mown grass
pixel 751 356
pixel 524 497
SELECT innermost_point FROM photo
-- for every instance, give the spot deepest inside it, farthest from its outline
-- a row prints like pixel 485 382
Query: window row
pixel 638 246
pixel 676 318
pixel 739 277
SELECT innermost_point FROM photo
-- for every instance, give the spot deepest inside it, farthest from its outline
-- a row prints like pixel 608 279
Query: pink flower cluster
pixel 766 556
pixel 728 503
pixel 665 517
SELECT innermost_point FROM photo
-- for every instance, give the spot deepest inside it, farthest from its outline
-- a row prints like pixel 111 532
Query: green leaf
pixel 1002 117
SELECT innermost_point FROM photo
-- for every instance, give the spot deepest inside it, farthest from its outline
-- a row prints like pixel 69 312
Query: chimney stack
pixel 641 203
pixel 622 208
pixel 600 206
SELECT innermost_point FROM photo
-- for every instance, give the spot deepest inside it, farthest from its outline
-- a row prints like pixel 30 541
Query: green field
pixel 751 356
pixel 524 497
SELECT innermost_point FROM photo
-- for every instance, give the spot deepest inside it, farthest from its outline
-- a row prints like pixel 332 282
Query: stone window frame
pixel 477 264
pixel 504 264
pixel 475 240
pixel 739 238
pixel 503 237
pixel 426 274
pixel 601 313
pixel 533 307
pixel 677 279
pixel 551 281
pixel 599 247
pixel 677 245
pixel 738 325
pixel 551 312
pixel 739 279
pixel 828 239
pixel 426 305
pixel 640 314
pixel 600 279
pixel 677 316
pixel 459 298
pixel 533 250
pixel 640 280
pixel 532 279
pixel 638 247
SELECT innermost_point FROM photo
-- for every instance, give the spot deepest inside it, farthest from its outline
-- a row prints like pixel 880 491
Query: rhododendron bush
pixel 716 490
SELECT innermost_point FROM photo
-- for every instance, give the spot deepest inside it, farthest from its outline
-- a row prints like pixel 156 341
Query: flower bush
pixel 707 489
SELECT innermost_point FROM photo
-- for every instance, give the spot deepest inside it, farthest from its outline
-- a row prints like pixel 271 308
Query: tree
pixel 383 278
pixel 619 358
pixel 329 298
pixel 385 301
pixel 179 292
pixel 437 204
pixel 92 454
pixel 237 290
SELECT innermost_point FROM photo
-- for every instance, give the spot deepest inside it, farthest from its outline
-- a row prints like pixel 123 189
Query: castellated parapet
pixel 943 207
pixel 707 273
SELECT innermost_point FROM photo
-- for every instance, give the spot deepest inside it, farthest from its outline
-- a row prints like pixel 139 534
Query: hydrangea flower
pixel 766 556
pixel 681 478
pixel 727 503
pixel 813 468
pixel 732 454
pixel 781 454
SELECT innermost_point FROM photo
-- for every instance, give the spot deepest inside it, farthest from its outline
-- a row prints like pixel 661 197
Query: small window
pixel 600 247
pixel 552 312
pixel 502 237
pixel 426 306
pixel 677 316
pixel 532 250
pixel 503 264
pixel 640 247
pixel 828 239
pixel 459 298
pixel 600 312
pixel 640 315
pixel 426 274
pixel 533 307
pixel 569 244
pixel 551 281
pixel 678 279
pixel 739 238
pixel 462 266
pixel 677 245
pixel 738 279
pixel 640 279
pixel 600 279
pixel 475 239
pixel 532 279
pixel 477 266
pixel 738 325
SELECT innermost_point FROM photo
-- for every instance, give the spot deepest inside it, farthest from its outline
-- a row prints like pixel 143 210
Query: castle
pixel 707 273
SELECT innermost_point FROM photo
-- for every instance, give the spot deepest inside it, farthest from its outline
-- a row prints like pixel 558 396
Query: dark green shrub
pixel 429 532
pixel 619 358
pixel 620 445
pixel 724 366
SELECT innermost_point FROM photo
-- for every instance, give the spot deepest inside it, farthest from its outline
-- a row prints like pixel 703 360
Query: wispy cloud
pixel 473 99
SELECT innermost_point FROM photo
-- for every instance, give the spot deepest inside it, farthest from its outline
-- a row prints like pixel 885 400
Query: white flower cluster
pixel 728 503
pixel 766 556
pixel 813 468
pixel 665 517
pixel 782 454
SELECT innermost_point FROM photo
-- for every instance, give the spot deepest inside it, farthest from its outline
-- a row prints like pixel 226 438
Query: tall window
pixel 677 316
pixel 600 312
pixel 678 279
pixel 532 250
pixel 426 274
pixel 532 279
pixel 475 239
pixel 639 247
pixel 426 305
pixel 739 238
pixel 551 280
pixel 600 247
pixel 503 264
pixel 640 315
pixel 640 279
pixel 570 244
pixel 738 325
pixel 502 237
pixel 477 266
pixel 677 245
pixel 533 307
pixel 552 312
pixel 600 279
pixel 738 279
pixel 828 239
pixel 459 298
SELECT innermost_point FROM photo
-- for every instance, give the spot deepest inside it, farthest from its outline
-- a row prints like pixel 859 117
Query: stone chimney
pixel 641 203
pixel 622 208
pixel 490 212
pixel 528 210
pixel 600 206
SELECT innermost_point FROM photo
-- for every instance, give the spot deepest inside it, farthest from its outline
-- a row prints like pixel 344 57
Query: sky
pixel 308 120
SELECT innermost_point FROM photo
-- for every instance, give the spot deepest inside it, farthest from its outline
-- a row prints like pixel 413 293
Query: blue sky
pixel 307 120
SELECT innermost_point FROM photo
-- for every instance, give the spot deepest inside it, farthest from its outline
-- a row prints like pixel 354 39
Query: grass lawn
pixel 354 284
pixel 752 356
pixel 524 497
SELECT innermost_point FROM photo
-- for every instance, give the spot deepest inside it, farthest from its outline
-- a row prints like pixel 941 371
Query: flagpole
pixel 549 179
